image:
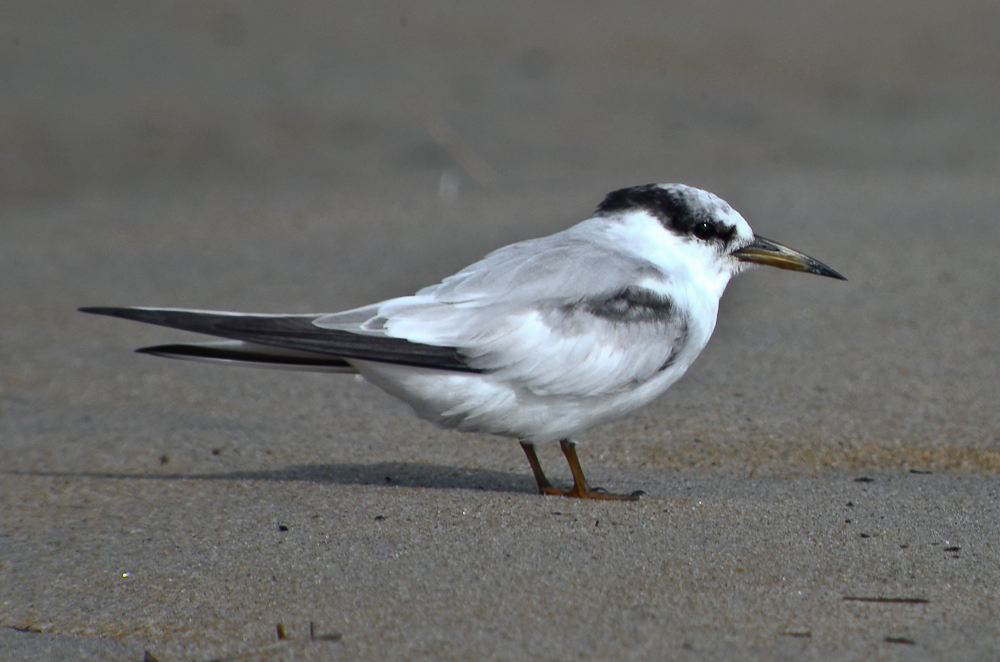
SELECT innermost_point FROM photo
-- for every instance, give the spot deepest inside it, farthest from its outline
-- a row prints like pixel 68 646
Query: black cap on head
pixel 670 206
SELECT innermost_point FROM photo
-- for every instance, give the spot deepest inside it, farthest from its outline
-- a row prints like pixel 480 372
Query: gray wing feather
pixel 552 315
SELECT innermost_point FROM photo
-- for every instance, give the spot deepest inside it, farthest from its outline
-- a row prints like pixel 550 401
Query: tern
pixel 539 340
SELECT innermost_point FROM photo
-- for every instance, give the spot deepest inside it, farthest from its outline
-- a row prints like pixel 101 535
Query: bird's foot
pixel 587 492
pixel 581 489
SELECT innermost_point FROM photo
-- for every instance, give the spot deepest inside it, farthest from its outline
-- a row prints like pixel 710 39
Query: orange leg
pixel 544 486
pixel 581 489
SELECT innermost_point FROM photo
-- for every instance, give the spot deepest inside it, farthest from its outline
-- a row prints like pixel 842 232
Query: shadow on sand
pixel 389 474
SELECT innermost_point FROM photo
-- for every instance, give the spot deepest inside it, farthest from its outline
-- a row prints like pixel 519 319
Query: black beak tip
pixel 830 273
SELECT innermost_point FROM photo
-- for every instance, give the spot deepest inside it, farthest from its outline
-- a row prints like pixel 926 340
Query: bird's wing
pixel 557 315
pixel 287 332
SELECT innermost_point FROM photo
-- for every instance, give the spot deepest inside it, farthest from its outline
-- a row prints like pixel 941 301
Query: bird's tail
pixel 235 352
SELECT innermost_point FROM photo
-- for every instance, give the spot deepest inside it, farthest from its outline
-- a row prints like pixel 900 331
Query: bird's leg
pixel 581 490
pixel 544 486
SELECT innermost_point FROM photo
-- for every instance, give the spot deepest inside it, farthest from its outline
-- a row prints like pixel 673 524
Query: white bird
pixel 539 340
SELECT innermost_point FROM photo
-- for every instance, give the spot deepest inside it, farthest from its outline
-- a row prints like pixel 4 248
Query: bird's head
pixel 707 230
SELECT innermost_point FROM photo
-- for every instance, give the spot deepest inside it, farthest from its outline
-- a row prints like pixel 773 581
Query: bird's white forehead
pixel 705 201
pixel 697 197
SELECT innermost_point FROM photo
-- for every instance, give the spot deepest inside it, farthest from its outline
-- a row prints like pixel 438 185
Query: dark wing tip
pixel 149 315
pixel 295 332
pixel 176 318
pixel 102 310
pixel 242 355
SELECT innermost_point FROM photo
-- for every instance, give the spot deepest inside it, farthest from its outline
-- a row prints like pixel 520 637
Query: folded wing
pixel 552 316
pixel 286 332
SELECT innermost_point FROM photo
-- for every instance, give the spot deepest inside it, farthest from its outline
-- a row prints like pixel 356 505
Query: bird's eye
pixel 703 230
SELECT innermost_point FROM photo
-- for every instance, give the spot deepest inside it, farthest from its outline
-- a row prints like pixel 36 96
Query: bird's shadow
pixel 389 474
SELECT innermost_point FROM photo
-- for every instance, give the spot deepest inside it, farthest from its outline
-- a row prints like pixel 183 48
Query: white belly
pixel 475 402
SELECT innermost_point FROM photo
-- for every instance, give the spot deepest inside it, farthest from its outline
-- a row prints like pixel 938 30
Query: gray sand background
pixel 314 156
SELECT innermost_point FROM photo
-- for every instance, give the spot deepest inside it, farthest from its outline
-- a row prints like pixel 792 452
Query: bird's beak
pixel 765 251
